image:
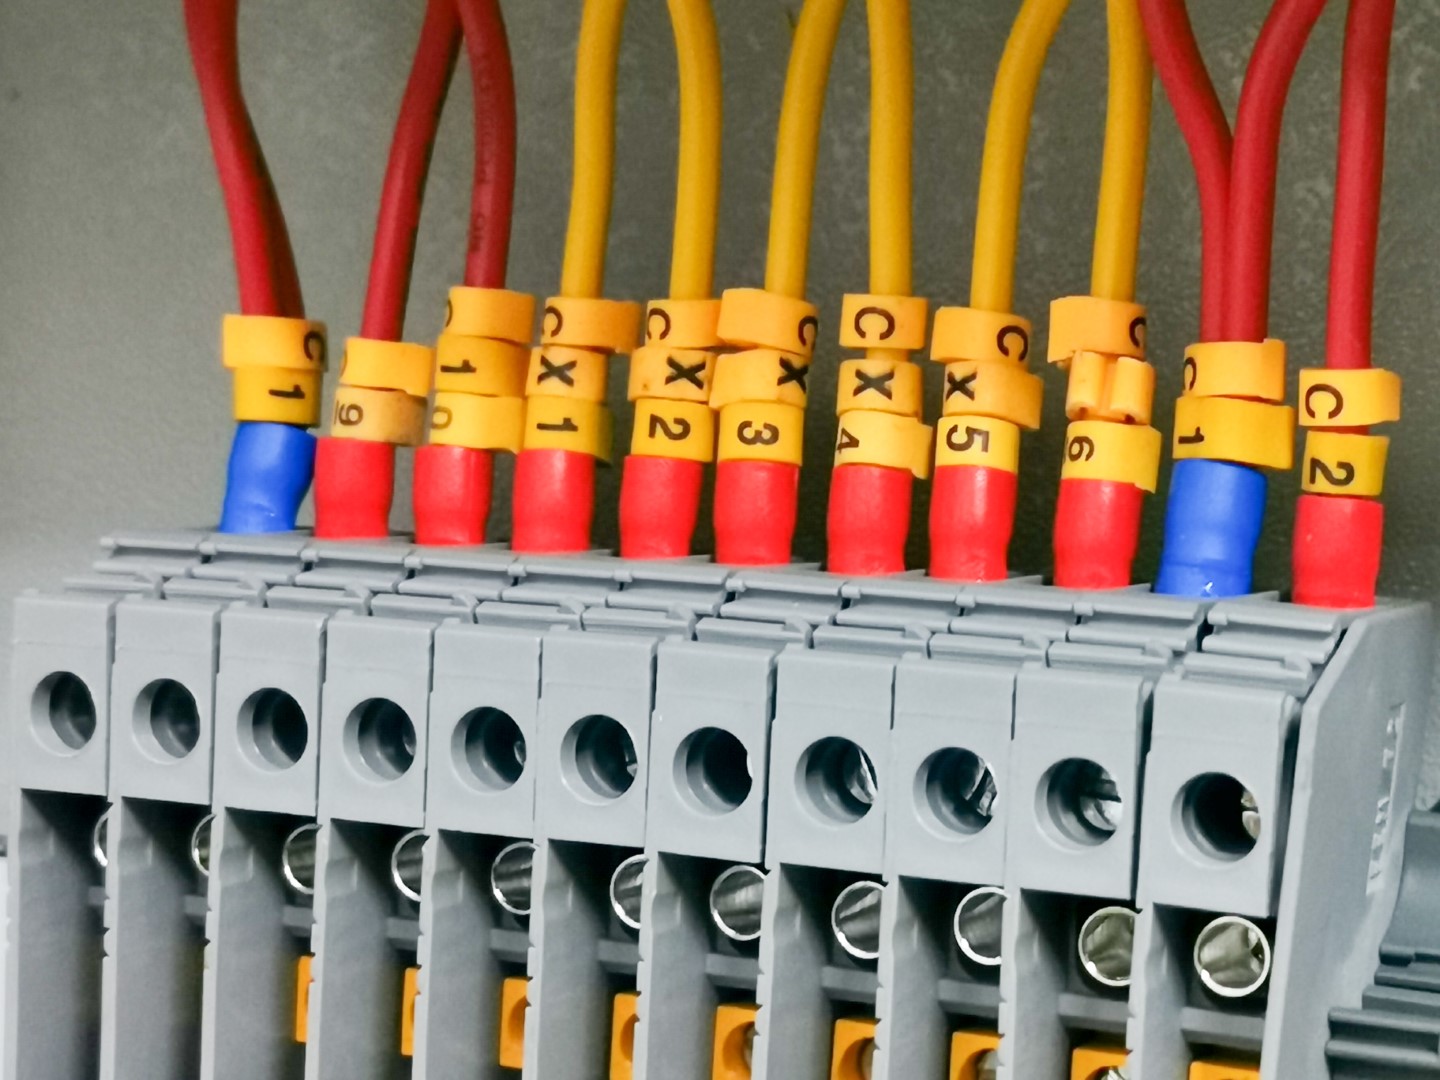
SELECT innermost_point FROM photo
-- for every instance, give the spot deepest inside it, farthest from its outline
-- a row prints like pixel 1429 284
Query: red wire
pixel 264 262
pixel 1357 183
pixel 1252 171
pixel 405 174
pixel 1207 135
pixel 493 195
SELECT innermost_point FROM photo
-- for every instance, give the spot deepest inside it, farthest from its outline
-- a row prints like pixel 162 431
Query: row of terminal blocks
pixel 360 812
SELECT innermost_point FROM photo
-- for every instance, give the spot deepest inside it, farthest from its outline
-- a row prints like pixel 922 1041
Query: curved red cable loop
pixel 1206 131
pixel 1250 228
pixel 1359 172
pixel 264 263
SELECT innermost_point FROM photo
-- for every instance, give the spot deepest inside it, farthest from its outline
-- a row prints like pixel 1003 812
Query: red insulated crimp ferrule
pixel 452 494
pixel 868 521
pixel 1097 533
pixel 755 507
pixel 972 515
pixel 659 505
pixel 354 486
pixel 554 503
pixel 1336 561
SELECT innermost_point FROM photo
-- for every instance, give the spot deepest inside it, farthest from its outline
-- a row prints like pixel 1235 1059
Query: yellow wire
pixel 1122 177
pixel 891 136
pixel 798 146
pixel 1002 171
pixel 583 274
pixel 697 198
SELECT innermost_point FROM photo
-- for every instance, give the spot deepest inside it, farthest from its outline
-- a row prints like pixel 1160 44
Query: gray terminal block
pixel 484 707
pixel 597 692
pixel 1075 778
pixel 709 750
pixel 267 709
pixel 374 720
pixel 949 766
pixel 1217 796
pixel 162 699
pixel 828 744
pixel 60 691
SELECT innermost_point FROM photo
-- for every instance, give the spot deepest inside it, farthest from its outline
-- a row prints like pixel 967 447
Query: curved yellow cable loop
pixel 583 275
pixel 891 136
pixel 697 199
pixel 798 145
pixel 1122 176
pixel 1002 170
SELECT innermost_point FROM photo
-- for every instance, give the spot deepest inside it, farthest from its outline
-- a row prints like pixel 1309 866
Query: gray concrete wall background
pixel 115 261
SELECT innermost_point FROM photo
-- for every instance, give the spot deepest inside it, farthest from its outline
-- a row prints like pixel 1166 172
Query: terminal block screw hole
pixel 489 749
pixel 1220 816
pixel 958 789
pixel 167 720
pixel 1082 801
pixel 713 766
pixel 1106 945
pixel 627 884
pixel 64 712
pixel 273 729
pixel 380 739
pixel 297 858
pixel 1232 957
pixel 838 779
pixel 599 753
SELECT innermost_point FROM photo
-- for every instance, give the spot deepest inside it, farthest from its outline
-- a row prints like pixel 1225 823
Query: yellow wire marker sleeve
pixel 562 372
pixel 697 198
pixel 1002 170
pixel 1122 173
pixel 591 323
pixel 683 324
pixel 967 333
pixel 1357 398
pixel 489 313
pixel 1094 324
pixel 277 395
pixel 480 365
pixel 1119 389
pixel 978 440
pixel 553 423
pixel 1003 391
pixel 759 375
pixel 891 145
pixel 388 416
pixel 272 341
pixel 388 365
pixel 480 423
pixel 762 431
pixel 878 438
pixel 889 386
pixel 674 429
pixel 798 146
pixel 1105 450
pixel 1338 463
pixel 671 374
pixel 1239 369
pixel 762 318
pixel 886 323
pixel 1231 429
pixel 597 57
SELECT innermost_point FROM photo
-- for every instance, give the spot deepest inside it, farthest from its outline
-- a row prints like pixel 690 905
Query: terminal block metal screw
pixel 1106 943
pixel 625 889
pixel 405 862
pixel 735 900
pixel 855 919
pixel 977 924
pixel 510 877
pixel 1232 957
pixel 200 845
pixel 297 858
